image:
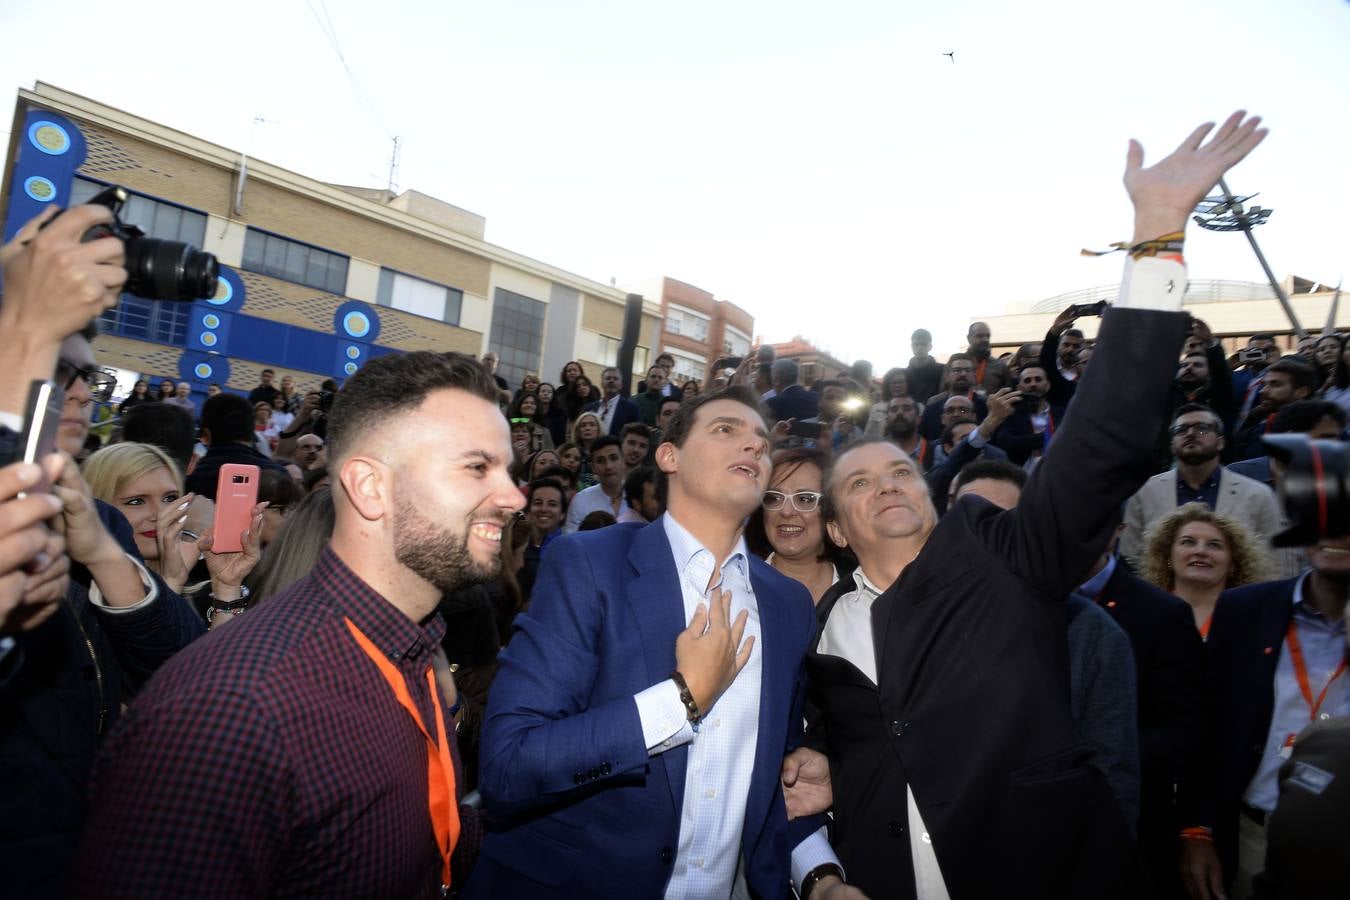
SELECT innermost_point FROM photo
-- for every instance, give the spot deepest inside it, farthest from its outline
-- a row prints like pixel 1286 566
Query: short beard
pixel 437 555
pixel 1195 457
pixel 901 430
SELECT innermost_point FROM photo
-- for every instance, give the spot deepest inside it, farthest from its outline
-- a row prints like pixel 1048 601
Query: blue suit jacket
pixel 579 809
pixel 627 411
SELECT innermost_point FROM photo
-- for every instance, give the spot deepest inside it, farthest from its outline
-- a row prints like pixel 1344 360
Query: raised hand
pixel 228 570
pixel 1165 193
pixel 709 653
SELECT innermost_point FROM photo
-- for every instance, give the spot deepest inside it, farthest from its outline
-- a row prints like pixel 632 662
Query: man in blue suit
pixel 641 713
pixel 615 410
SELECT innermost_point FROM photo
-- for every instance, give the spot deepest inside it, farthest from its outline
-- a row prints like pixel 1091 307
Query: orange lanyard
pixel 979 372
pixel 1301 673
pixel 1204 626
pixel 1270 420
pixel 440 769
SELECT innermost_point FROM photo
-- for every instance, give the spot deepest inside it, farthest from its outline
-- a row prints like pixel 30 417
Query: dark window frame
pixel 261 267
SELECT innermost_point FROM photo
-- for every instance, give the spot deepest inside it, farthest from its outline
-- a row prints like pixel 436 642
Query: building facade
pixel 697 328
pixel 815 364
pixel 1233 310
pixel 316 278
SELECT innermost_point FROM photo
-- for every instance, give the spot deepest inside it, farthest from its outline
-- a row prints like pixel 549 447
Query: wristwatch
pixel 687 698
pixel 815 876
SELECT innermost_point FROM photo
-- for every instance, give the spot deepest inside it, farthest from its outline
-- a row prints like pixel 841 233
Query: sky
pixel 825 167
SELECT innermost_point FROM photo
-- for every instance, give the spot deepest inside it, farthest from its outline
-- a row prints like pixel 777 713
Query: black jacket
pixel 972 709
pixel 202 481
pixel 1244 646
pixel 62 687
pixel 1169 660
pixel 1061 389
pixel 1019 439
pixel 795 402
pixel 930 426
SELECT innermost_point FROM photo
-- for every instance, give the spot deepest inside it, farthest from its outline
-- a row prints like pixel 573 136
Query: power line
pixel 326 26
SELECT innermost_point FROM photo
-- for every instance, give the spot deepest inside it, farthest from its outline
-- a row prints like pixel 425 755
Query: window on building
pixel 604 349
pixel 269 254
pixel 687 365
pixel 133 316
pixel 517 334
pixel 421 298
pixel 735 342
pixel 157 218
pixel 686 322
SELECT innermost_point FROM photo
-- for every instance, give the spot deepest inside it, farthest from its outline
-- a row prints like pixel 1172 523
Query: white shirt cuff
pixel 1152 283
pixel 665 722
pixel 814 850
pixel 151 592
pixel 976 440
pixel 12 421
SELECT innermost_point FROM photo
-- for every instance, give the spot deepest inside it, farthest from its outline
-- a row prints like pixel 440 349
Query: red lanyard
pixel 979 372
pixel 1301 673
pixel 440 769
pixel 920 451
pixel 1204 626
pixel 1270 420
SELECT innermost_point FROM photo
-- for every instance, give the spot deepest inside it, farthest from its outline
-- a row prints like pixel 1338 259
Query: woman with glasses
pixel 788 531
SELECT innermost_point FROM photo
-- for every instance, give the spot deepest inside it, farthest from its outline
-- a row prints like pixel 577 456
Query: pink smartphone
pixel 236 495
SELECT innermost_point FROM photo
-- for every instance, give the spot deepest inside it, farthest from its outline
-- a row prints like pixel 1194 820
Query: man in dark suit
pixel 1276 654
pixel 615 410
pixel 1169 665
pixel 936 415
pixel 1028 431
pixel 791 400
pixel 941 680
pixel 589 765
pixel 227 427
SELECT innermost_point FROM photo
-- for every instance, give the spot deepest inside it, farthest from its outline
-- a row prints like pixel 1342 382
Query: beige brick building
pixel 317 277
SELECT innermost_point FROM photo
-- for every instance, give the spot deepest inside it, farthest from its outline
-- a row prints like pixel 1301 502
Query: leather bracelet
pixel 228 605
pixel 687 698
pixel 817 875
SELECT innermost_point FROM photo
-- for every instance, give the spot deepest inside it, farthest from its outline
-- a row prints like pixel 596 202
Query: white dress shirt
pixel 722 752
pixel 848 635
pixel 589 500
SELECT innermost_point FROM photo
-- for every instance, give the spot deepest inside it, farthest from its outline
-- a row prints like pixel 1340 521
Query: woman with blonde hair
pixel 584 431
pixel 1198 554
pixel 141 482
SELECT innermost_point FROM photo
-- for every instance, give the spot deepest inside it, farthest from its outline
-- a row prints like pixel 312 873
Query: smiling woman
pixel 1197 554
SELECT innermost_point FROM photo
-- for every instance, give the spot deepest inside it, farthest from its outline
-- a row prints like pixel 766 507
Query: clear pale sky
pixel 823 166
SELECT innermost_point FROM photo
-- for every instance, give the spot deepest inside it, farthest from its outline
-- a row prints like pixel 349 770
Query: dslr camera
pixel 156 269
pixel 1315 488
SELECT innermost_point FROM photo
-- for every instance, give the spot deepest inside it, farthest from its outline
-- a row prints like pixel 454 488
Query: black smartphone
pixel 805 430
pixel 1081 310
pixel 41 421
pixel 728 362
pixel 1028 403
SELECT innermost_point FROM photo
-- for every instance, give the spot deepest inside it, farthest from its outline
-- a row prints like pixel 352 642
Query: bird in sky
pixel 951 54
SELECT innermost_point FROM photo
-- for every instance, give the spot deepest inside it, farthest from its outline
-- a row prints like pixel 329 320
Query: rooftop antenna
pixel 1227 212
pixel 393 167
pixel 243 166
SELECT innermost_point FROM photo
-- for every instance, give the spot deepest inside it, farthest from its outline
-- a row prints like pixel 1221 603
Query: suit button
pixel 667 855
pixel 898 728
pixel 896 829
pixel 594 774
pixel 579 778
pixel 604 769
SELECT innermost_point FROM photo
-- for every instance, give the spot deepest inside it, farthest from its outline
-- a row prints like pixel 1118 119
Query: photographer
pixel 68 670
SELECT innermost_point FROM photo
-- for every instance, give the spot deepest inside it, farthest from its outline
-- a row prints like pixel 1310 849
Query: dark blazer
pixel 579 809
pixel 1245 641
pixel 930 426
pixel 1061 389
pixel 1019 439
pixel 972 706
pixel 1256 468
pixel 202 481
pixel 1169 660
pixel 62 688
pixel 795 402
pixel 627 411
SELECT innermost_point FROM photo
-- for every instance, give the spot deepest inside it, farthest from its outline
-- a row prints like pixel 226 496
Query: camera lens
pixel 169 270
pixel 1314 490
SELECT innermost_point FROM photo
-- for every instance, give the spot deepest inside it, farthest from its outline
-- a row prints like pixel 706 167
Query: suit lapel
pixel 776 683
pixel 658 606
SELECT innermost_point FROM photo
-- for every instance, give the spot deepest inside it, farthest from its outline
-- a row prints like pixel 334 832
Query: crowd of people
pixel 999 626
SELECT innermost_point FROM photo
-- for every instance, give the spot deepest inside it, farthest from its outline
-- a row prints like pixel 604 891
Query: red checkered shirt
pixel 270 758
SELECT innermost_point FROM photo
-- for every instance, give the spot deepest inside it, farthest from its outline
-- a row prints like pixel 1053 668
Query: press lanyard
pixel 440 770
pixel 979 372
pixel 1304 686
